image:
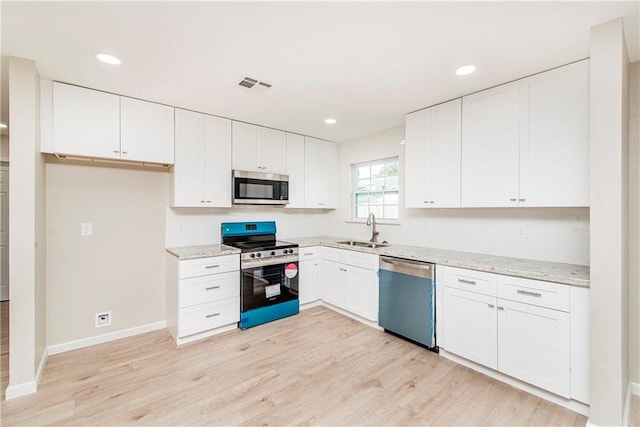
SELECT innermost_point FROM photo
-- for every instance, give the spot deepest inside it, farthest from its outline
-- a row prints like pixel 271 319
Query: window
pixel 376 189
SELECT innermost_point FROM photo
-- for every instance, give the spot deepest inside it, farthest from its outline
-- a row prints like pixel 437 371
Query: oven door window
pixel 268 285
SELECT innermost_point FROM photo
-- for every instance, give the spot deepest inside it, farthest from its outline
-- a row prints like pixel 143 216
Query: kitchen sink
pixel 372 245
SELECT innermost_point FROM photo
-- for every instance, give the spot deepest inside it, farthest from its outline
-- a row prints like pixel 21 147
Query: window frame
pixel 354 191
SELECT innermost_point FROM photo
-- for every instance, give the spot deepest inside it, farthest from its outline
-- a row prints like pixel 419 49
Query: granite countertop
pixel 570 274
pixel 203 251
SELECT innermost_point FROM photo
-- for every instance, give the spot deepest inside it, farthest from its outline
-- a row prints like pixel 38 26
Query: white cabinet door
pixel 202 169
pixel 554 137
pixel 272 150
pixel 470 327
pixel 295 170
pixel 245 147
pixel 327 182
pixel 362 292
pixel 333 284
pixel 308 282
pixel 416 149
pixel 217 155
pixel 189 167
pixel 146 131
pixel 85 122
pixel 320 165
pixel 490 147
pixel 534 345
pixel 444 155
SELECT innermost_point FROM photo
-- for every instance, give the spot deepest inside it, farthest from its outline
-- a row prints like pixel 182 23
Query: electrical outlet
pixel 86 229
pixel 103 319
pixel 522 231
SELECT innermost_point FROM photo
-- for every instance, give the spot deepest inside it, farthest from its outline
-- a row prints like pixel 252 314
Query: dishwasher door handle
pixel 410 267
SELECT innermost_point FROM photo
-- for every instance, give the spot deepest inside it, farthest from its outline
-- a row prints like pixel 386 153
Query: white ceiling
pixel 364 63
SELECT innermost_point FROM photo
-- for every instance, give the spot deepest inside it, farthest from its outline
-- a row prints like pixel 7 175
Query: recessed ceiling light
pixel 107 58
pixel 465 70
pixel 3 126
pixel 330 121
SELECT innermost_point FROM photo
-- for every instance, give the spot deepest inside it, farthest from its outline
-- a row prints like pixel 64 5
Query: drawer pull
pixel 513 200
pixel 468 282
pixel 522 200
pixel 212 315
pixel 212 287
pixel 343 269
pixel 500 308
pixel 491 306
pixel 212 266
pixel 530 294
pixel 308 253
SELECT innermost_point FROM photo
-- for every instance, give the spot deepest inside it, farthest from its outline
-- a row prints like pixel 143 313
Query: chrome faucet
pixel 371 220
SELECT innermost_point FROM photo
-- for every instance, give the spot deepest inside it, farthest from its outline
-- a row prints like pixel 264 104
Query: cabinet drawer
pixel 214 287
pixel 306 254
pixel 202 317
pixel 535 292
pixel 468 280
pixel 212 265
pixel 356 259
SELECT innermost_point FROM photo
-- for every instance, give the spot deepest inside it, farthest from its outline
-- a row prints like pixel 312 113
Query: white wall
pixel 27 240
pixel 634 222
pixel 195 226
pixel 553 234
pixel 121 267
pixel 609 304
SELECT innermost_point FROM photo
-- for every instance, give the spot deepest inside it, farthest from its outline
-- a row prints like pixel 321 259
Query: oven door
pixel 268 285
pixel 256 188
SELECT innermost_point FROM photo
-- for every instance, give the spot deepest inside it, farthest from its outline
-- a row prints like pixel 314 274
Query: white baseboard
pixel 18 390
pixel 103 338
pixel 351 315
pixel 29 387
pixel 310 305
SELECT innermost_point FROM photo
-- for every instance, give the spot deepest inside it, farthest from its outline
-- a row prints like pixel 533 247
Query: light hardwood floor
pixel 316 368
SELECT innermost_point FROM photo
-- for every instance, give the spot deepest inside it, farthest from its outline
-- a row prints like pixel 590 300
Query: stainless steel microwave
pixel 260 188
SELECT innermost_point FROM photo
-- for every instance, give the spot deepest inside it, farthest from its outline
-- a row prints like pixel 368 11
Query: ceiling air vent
pixel 254 85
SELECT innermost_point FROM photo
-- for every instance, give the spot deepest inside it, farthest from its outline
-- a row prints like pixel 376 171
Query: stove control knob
pixel 273 253
pixel 285 251
pixel 259 255
pixel 252 255
pixel 290 251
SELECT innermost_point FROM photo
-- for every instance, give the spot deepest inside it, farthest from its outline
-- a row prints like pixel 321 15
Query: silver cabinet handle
pixel 307 253
pixel 500 308
pixel 530 294
pixel 468 282
pixel 212 266
pixel 428 201
pixel 201 201
pixel 343 269
pixel 521 200
pixel 116 151
pixel 125 152
pixel 431 201
pixel 208 201
pixel 513 200
pixel 212 287
pixel 212 315
pixel 491 305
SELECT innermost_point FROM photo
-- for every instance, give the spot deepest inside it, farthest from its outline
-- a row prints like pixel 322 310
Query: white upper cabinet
pixel 554 137
pixel 432 156
pixel 85 122
pixel 202 170
pixel 259 149
pixel 146 131
pixel 320 181
pixel 96 124
pixel 295 170
pixel 526 143
pixel 490 147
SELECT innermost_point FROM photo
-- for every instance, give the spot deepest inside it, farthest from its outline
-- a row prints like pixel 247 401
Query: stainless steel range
pixel 269 272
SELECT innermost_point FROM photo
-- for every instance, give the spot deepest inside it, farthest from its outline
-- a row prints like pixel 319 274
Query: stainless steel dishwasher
pixel 407 302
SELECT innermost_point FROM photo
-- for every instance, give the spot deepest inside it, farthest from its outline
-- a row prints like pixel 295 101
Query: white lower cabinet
pixel 308 280
pixel 203 296
pixel 349 281
pixel 519 327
